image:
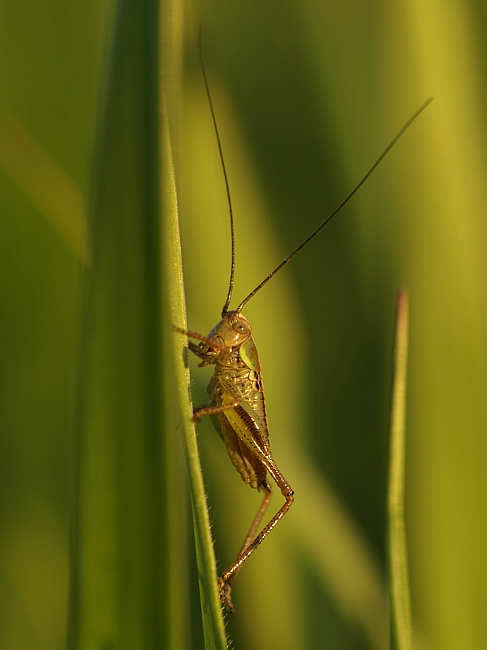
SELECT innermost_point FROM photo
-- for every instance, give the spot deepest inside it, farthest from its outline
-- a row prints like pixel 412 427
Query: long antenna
pixel 227 186
pixel 342 204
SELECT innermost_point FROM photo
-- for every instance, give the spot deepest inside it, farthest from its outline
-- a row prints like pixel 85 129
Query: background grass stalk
pixel 400 607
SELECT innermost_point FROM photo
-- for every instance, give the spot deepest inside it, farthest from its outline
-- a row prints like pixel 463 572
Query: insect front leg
pixel 200 337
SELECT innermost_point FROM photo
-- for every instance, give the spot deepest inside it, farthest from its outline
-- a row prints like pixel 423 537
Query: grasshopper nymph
pixel 237 403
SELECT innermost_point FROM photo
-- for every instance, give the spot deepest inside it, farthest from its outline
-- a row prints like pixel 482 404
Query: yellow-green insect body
pixel 237 404
pixel 237 408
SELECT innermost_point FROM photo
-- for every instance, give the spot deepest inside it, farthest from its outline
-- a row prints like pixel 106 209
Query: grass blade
pixel 213 626
pixel 401 629
pixel 119 593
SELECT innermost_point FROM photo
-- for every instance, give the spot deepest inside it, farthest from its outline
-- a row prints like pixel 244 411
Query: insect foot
pixel 225 590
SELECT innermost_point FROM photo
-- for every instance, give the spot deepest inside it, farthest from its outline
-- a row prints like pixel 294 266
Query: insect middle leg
pixel 257 519
pixel 253 528
pixel 208 409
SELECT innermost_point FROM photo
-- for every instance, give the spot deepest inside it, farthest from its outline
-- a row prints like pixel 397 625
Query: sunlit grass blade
pixel 213 626
pixel 400 606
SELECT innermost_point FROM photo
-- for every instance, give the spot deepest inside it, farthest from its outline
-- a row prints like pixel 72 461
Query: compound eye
pixel 241 327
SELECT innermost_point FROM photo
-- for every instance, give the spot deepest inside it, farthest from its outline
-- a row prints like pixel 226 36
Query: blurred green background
pixel 307 95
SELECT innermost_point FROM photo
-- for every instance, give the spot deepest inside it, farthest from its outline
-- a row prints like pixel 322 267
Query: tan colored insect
pixel 237 402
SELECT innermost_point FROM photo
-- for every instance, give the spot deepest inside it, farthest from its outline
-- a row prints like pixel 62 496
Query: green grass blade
pixel 400 607
pixel 120 594
pixel 213 626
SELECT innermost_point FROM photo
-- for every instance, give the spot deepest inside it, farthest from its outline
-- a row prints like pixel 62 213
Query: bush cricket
pixel 237 403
